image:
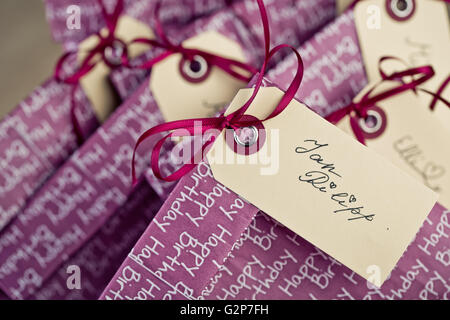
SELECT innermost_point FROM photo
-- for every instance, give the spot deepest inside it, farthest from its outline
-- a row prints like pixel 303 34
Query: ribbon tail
pixel 111 19
pixel 357 130
pixel 437 96
pixel 338 115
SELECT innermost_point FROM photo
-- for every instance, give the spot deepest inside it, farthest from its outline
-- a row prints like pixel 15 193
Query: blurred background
pixel 27 54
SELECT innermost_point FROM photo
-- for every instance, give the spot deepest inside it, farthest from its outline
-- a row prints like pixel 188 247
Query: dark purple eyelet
pixel 194 70
pixel 246 140
pixel 400 10
pixel 375 124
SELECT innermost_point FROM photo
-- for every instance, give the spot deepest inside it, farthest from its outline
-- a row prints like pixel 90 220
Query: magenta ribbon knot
pixel 358 110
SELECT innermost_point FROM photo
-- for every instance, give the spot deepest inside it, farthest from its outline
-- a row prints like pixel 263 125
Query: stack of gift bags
pixel 110 182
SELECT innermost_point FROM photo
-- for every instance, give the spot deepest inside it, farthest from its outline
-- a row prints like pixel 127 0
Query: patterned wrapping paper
pixel 36 138
pixel 100 257
pixel 207 243
pixel 334 70
pixel 90 187
pixel 174 12
pixel 73 205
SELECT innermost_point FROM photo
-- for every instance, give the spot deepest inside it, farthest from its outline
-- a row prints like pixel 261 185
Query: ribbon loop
pixel 234 120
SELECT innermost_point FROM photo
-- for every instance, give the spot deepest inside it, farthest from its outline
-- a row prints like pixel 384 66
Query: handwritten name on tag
pixel 413 140
pixel 325 178
pixel 421 38
pixel 328 188
pixel 182 93
pixel 96 84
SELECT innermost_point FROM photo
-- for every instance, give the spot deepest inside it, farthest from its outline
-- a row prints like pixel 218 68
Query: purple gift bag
pixel 36 138
pixel 208 243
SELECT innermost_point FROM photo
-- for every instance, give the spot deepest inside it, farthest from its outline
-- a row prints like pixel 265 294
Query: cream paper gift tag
pixel 96 84
pixel 412 139
pixel 421 39
pixel 325 186
pixel 179 98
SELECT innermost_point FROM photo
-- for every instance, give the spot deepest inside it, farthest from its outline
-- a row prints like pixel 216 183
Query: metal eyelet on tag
pixel 400 10
pixel 194 70
pixel 246 140
pixel 247 136
pixel 113 53
pixel 375 124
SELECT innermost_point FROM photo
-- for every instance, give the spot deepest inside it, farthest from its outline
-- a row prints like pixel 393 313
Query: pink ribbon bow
pixel 358 109
pixel 230 66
